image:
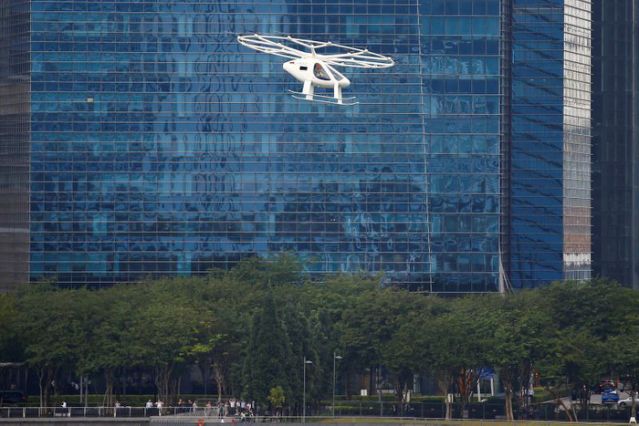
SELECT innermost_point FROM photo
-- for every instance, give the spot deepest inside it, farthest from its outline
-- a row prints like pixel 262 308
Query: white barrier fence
pixel 32 412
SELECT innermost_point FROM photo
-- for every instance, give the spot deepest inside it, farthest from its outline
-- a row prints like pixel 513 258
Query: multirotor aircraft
pixel 315 69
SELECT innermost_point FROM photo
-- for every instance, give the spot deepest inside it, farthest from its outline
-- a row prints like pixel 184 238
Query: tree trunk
pixel 41 374
pixel 107 401
pixel 560 402
pixel 162 381
pixel 525 379
pixel 633 406
pixel 399 394
pixel 508 398
pixel 48 377
pixel 55 380
pixel 465 381
pixel 219 380
pixel 444 383
pixel 174 389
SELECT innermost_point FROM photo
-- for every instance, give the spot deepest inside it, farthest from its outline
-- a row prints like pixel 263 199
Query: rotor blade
pixel 273 48
pixel 361 59
pixel 352 57
pixel 363 55
pixel 310 44
pixel 276 51
pixel 261 44
pixel 358 63
pixel 290 49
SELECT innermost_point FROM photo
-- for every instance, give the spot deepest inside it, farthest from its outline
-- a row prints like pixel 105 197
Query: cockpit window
pixel 320 72
pixel 336 74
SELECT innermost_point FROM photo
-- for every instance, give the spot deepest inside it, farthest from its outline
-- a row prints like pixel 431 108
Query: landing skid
pixel 350 101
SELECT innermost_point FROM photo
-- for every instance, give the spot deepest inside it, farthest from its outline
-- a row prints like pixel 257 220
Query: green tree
pixel 108 348
pixel 380 329
pixel 303 345
pixel 11 349
pixel 281 269
pixel 231 303
pixel 363 328
pixel 276 399
pixel 401 353
pixel 584 316
pixel 327 302
pixel 625 348
pixel 165 326
pixel 455 346
pixel 48 326
pixel 268 354
pixel 518 322
pixel 624 344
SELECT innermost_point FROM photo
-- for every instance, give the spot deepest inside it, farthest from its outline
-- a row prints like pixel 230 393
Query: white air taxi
pixel 315 69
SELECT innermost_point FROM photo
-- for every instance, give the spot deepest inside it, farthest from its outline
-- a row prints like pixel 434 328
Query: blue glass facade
pixel 460 66
pixel 550 148
pixel 159 145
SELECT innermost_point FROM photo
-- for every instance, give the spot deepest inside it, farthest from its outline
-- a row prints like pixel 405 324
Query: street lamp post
pixel 335 358
pixel 306 361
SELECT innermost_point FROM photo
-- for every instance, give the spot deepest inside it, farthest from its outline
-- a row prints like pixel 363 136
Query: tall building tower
pixel 550 204
pixel 15 71
pixel 616 141
pixel 155 144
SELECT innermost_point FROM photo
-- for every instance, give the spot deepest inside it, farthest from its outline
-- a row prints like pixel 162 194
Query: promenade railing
pixel 32 412
pixel 344 409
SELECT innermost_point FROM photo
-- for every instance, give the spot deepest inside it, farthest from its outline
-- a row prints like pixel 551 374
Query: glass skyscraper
pixel 549 150
pixel 143 140
pixel 615 141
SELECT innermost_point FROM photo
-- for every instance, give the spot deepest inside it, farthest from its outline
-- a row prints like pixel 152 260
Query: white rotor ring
pixel 351 57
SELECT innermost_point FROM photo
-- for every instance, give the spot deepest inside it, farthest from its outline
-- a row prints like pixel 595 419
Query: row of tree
pixel 251 328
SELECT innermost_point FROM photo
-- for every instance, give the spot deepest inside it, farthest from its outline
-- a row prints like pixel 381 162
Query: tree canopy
pixel 250 329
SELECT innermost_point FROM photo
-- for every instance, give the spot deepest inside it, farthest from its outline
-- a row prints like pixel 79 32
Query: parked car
pixel 12 397
pixel 627 401
pixel 609 397
pixel 603 386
